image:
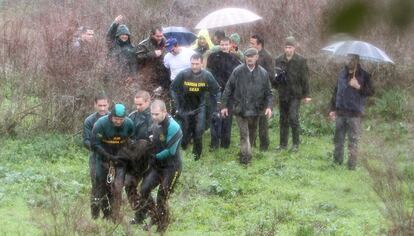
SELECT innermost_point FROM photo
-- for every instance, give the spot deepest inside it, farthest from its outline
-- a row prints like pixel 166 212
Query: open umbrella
pixel 365 50
pixel 226 17
pixel 184 36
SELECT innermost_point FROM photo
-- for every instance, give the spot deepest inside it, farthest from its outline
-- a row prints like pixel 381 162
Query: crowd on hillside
pixel 199 87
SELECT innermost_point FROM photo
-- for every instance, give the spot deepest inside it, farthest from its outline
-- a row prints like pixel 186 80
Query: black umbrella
pixel 184 36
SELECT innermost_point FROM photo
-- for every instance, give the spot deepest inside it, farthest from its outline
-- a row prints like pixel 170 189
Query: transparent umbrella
pixel 226 17
pixel 366 51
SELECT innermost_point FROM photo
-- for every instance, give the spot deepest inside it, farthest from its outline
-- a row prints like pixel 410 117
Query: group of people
pixel 139 149
pixel 208 84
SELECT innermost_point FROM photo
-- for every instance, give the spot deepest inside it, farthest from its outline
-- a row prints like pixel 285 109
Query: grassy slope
pixel 287 193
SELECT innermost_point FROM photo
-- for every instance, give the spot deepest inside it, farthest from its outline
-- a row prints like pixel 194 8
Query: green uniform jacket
pixel 250 90
pixel 297 84
pixel 142 124
pixel 167 139
pixel 107 138
pixel 87 129
pixel 189 90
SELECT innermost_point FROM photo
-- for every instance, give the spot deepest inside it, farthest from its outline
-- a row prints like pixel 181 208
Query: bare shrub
pixel 40 68
pixel 63 215
pixel 394 188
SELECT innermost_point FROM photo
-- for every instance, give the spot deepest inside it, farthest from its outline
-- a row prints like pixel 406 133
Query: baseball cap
pixel 170 43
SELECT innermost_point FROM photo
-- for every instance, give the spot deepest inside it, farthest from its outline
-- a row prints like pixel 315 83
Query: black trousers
pixel 221 131
pixel 165 178
pixel 193 128
pixel 101 195
pixel 289 117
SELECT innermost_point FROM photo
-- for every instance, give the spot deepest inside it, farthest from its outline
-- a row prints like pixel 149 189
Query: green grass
pixel 279 193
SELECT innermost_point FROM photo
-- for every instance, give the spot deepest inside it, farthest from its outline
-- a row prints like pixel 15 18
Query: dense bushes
pixel 391 105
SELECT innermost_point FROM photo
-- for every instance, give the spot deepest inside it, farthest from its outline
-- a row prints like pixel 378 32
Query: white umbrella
pixel 365 50
pixel 226 17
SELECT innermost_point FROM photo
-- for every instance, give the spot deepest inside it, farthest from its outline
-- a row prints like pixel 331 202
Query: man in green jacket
pixel 249 88
pixel 292 83
pixel 101 105
pixel 109 135
pixel 150 55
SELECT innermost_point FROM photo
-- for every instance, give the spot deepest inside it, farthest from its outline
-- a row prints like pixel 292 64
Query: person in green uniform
pixel 109 134
pixel 189 90
pixel 101 106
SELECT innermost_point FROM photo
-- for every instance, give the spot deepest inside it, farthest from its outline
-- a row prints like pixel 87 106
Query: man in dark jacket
pixel 189 90
pixel 150 55
pixel 121 51
pixel 165 167
pixel 293 87
pixel 109 135
pixel 347 107
pixel 265 61
pixel 221 64
pixel 250 89
pixel 101 108
pixel 141 118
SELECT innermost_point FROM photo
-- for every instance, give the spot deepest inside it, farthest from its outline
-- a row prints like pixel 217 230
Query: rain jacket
pixel 250 91
pixel 121 54
pixel 203 33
